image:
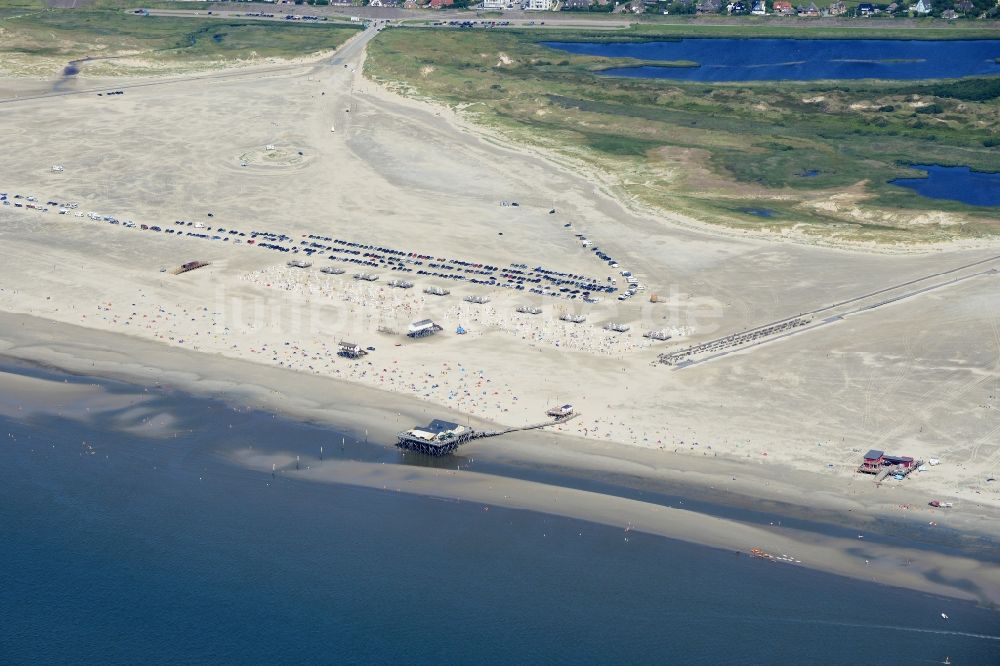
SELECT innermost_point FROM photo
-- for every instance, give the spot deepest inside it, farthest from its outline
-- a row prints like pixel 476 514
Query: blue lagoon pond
pixel 799 59
pixel 956 183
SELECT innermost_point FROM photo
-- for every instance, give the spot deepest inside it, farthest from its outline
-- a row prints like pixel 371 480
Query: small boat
pixel 944 616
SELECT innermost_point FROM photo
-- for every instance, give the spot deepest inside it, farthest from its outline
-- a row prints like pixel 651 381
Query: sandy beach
pixel 785 422
pixel 374 416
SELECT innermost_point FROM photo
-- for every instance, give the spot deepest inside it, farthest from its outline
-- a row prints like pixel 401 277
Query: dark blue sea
pixel 799 59
pixel 976 188
pixel 125 548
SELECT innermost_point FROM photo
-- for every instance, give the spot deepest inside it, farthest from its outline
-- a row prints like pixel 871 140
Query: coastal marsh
pixel 820 153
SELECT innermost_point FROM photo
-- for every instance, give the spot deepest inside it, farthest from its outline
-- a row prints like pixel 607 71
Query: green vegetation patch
pixel 750 29
pixel 699 147
pixel 619 145
pixel 74 34
pixel 805 29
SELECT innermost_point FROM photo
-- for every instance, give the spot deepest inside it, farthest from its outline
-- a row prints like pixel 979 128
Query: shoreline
pixel 562 362
pixel 366 410
pixel 252 331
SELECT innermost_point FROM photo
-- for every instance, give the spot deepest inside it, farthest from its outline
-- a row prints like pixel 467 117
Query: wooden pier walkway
pixel 534 426
pixel 443 447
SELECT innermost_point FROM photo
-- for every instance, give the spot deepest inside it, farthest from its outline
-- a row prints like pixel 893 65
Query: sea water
pixel 120 546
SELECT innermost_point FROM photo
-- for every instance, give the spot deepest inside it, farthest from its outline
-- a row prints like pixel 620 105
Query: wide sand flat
pixel 920 377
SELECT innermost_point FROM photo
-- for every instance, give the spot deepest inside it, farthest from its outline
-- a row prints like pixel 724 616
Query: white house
pixel 494 4
pixel 923 7
pixel 539 5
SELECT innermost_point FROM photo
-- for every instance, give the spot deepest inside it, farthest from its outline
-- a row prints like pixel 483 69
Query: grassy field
pixel 40 42
pixel 806 28
pixel 92 5
pixel 815 155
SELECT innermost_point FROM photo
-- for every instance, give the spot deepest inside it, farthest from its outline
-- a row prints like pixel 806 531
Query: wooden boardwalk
pixel 534 426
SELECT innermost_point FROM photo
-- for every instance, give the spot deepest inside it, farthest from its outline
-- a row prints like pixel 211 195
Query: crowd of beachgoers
pixel 464 387
pixel 383 307
pixel 374 306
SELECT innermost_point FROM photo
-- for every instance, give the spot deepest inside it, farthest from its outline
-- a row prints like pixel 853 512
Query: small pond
pixel 757 212
pixel 976 188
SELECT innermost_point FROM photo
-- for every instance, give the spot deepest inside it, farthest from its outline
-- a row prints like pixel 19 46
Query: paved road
pixel 403 16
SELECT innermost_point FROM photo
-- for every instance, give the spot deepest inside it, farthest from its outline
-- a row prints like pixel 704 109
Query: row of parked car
pixel 634 286
pixel 517 276
pixel 30 202
pixel 560 283
pixel 474 24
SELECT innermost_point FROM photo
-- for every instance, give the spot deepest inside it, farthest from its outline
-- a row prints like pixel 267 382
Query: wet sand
pixel 373 416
